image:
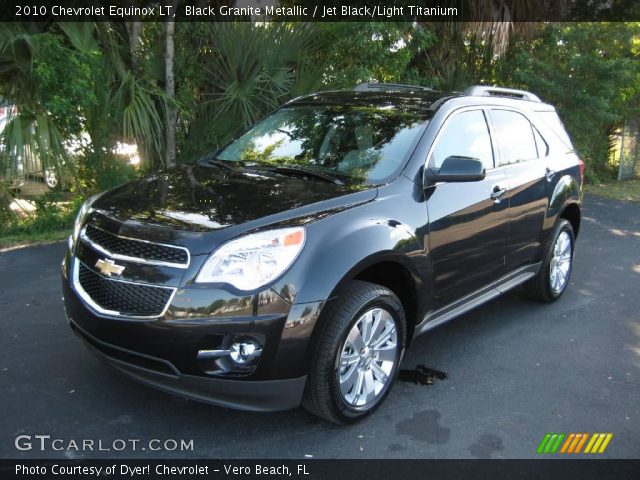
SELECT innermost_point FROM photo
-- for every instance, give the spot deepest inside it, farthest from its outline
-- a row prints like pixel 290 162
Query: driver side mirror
pixel 456 169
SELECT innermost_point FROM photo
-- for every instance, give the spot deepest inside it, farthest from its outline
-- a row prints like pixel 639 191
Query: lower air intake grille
pixel 125 298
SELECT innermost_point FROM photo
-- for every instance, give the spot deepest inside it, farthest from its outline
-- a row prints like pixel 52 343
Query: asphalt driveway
pixel 516 370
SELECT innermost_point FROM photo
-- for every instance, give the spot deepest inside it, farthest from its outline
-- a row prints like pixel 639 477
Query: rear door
pixel 522 155
pixel 467 221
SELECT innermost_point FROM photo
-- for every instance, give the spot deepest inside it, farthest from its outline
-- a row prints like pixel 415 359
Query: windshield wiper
pixel 304 172
pixel 284 169
pixel 217 163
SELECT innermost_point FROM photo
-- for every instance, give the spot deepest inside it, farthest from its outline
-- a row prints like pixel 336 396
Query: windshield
pixel 365 144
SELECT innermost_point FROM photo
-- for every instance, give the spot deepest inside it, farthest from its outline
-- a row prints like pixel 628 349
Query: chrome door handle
pixel 549 174
pixel 497 194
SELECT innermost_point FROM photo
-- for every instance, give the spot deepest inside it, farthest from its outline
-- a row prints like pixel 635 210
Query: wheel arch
pixel 396 272
pixel 564 202
pixel 571 212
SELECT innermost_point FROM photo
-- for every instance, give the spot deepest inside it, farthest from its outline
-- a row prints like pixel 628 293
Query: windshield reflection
pixel 363 143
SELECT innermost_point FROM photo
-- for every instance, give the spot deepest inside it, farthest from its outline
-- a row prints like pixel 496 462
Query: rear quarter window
pixel 552 120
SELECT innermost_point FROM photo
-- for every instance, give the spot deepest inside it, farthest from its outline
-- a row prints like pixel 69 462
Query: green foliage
pixel 70 80
pixel 83 84
pixel 49 216
pixel 64 81
pixel 354 53
pixel 6 214
pixel 102 171
pixel 129 104
pixel 228 75
pixel 32 131
pixel 590 72
pixel 442 56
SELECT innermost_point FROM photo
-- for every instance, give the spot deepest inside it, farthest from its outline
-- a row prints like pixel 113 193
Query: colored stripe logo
pixel 574 443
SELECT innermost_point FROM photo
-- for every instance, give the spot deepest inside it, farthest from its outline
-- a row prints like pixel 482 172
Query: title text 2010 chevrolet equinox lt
pixel 296 264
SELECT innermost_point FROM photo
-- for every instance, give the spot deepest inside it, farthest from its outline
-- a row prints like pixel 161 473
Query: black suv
pixel 296 264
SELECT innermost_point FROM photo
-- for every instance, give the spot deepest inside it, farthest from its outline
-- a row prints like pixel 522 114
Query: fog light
pixel 244 352
pixel 237 354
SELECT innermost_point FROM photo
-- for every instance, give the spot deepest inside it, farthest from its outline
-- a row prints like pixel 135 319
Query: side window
pixel 553 121
pixel 516 142
pixel 465 135
pixel 541 145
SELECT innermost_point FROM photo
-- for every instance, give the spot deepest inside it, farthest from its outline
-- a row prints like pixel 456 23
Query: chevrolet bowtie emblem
pixel 108 267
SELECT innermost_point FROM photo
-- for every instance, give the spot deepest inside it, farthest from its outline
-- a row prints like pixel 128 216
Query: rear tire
pixel 557 262
pixel 357 353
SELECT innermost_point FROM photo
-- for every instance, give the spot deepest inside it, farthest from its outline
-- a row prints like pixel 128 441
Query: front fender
pixel 338 248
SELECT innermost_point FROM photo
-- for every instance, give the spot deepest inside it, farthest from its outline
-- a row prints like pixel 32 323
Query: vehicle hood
pixel 201 199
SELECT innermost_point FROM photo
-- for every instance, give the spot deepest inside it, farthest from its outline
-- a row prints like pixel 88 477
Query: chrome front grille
pixel 118 297
pixel 135 250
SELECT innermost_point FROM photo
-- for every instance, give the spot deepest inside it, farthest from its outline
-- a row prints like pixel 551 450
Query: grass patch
pixel 9 242
pixel 626 190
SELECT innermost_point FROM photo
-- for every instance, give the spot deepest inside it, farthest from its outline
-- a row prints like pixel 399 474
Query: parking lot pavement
pixel 516 370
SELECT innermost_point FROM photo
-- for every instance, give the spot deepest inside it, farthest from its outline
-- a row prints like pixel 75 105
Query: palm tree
pixel 172 114
pixel 246 70
pixel 28 130
pixel 464 49
pixel 502 18
pixel 111 102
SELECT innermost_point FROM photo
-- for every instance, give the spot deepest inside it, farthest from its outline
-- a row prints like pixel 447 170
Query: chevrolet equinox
pixel 295 264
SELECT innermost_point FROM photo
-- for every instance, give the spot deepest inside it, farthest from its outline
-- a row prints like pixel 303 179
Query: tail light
pixel 581 170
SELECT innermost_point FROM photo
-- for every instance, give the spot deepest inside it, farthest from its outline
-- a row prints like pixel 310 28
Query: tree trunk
pixel 634 134
pixel 172 114
pixel 135 30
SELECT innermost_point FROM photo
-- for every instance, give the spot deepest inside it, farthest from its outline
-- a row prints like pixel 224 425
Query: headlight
pixel 81 217
pixel 254 260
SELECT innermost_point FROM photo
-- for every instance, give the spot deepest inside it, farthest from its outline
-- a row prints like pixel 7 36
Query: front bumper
pixel 266 395
pixel 163 352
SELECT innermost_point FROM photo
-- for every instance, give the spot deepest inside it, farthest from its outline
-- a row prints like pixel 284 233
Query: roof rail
pixel 374 87
pixel 486 91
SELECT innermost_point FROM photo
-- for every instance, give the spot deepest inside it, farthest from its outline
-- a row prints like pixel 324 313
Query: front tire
pixel 357 354
pixel 557 264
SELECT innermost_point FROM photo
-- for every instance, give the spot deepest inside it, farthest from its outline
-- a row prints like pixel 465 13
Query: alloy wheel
pixel 560 263
pixel 367 358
